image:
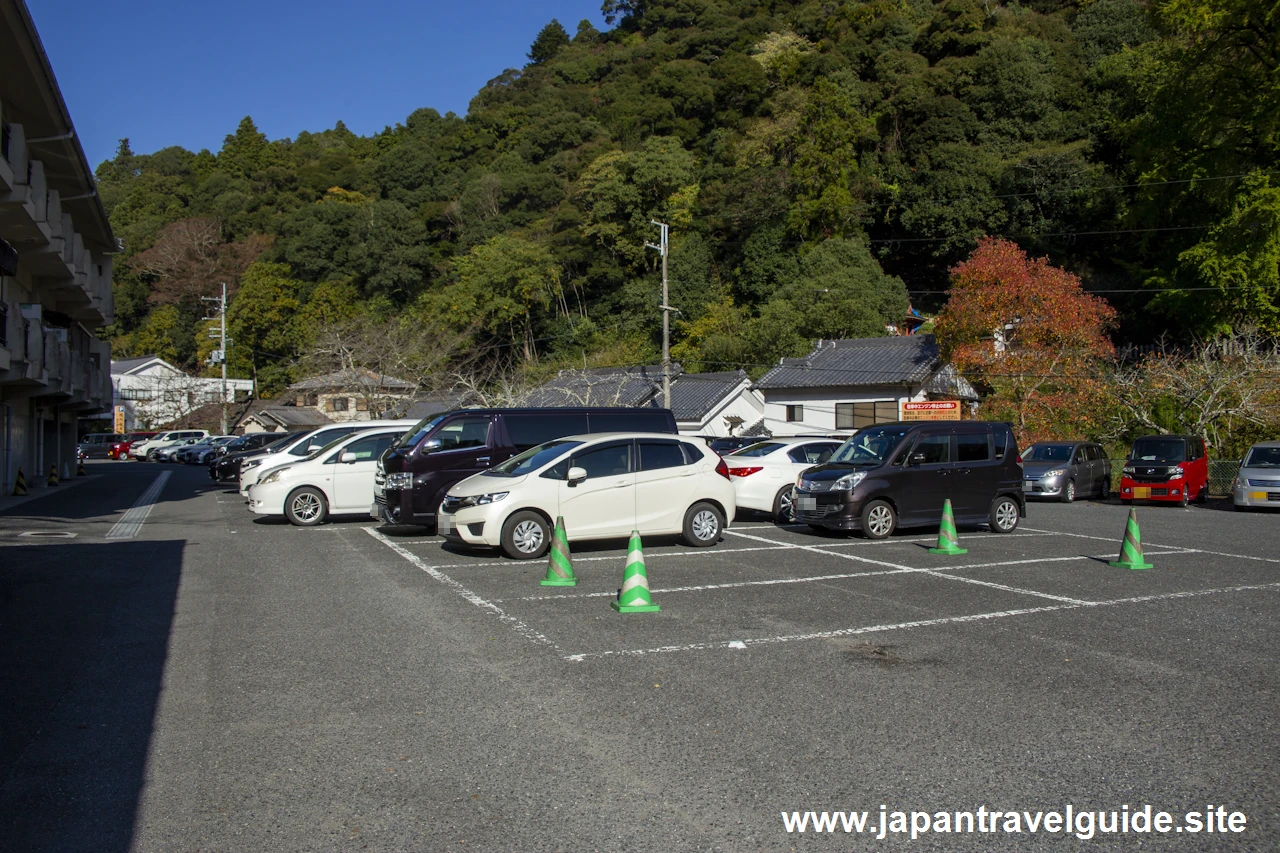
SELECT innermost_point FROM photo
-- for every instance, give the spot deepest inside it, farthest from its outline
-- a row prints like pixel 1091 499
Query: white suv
pixel 144 450
pixel 604 485
pixel 306 444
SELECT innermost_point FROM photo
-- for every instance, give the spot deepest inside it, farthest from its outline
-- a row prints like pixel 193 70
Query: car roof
pixel 1266 444
pixel 1169 435
pixel 797 439
pixel 595 437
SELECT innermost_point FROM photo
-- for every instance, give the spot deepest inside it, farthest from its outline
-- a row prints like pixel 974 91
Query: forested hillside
pixel 819 164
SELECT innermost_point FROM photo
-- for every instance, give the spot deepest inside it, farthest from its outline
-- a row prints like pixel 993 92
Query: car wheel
pixel 1185 499
pixel 879 520
pixel 702 525
pixel 525 536
pixel 1068 492
pixel 784 506
pixel 1202 497
pixel 1004 515
pixel 306 507
pixel 1104 491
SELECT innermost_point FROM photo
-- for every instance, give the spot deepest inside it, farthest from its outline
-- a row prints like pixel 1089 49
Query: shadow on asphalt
pixel 85 631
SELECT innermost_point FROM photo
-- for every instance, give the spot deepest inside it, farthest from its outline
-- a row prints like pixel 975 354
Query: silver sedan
pixel 1257 483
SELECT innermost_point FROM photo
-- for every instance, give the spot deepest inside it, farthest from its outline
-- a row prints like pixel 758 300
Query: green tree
pixel 551 39
pixel 263 322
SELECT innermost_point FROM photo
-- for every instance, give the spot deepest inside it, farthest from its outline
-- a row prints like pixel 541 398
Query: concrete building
pixel 55 265
pixel 151 393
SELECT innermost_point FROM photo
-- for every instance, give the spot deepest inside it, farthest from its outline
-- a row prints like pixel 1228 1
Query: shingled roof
pixel 601 386
pixel 360 378
pixel 694 395
pixel 909 360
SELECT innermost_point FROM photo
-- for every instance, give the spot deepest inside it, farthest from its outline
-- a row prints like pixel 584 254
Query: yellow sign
pixel 933 410
pixel 119 425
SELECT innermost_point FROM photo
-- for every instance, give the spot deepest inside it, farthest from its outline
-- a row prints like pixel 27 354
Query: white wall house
pixel 849 384
pixel 153 393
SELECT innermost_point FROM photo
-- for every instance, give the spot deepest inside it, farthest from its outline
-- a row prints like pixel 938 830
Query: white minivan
pixel 605 485
pixel 335 480
pixel 306 444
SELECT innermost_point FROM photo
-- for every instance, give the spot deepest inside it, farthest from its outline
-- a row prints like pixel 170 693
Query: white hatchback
pixel 334 480
pixel 604 485
pixel 306 444
pixel 764 474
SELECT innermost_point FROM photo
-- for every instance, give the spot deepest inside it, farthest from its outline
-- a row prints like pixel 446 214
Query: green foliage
pixel 263 320
pixel 809 158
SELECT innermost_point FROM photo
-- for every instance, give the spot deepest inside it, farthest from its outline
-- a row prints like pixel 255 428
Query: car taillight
pixel 1019 458
pixel 743 472
pixel 722 468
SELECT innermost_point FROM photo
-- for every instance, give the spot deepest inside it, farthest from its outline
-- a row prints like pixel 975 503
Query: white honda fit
pixel 604 485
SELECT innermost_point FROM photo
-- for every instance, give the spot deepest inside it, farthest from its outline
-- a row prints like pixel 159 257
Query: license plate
pixel 373 511
pixel 808 503
pixel 445 524
pixel 1142 491
pixel 1258 496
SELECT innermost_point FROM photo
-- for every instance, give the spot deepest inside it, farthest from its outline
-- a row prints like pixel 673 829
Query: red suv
pixel 1170 468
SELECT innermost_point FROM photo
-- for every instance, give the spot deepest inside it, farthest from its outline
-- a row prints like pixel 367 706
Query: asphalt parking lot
pixel 194 677
pixel 767 584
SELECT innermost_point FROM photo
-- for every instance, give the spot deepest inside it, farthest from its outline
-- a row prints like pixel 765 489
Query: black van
pixel 414 475
pixel 898 475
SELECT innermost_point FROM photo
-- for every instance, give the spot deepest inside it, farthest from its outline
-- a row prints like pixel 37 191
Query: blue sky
pixel 183 72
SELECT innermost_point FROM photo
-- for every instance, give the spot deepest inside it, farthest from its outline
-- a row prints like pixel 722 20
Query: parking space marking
pixel 130 524
pixel 922 623
pixel 818 550
pixel 519 627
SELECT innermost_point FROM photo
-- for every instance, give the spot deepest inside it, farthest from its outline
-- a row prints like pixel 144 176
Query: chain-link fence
pixel 1221 473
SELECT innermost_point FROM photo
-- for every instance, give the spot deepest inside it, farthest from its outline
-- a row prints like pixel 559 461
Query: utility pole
pixel 221 354
pixel 663 248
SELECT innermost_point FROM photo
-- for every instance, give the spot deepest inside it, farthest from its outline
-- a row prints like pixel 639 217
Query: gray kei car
pixel 1066 470
pixel 1258 482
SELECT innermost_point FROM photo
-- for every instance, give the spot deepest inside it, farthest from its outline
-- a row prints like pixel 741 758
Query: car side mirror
pixel 576 475
pixel 431 444
pixel 347 457
pixel 915 459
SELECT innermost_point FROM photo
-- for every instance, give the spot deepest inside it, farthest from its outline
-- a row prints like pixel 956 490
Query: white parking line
pixel 923 623
pixel 520 628
pixel 131 522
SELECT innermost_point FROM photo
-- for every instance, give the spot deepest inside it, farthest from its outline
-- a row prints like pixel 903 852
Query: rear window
pixel 655 455
pixel 763 448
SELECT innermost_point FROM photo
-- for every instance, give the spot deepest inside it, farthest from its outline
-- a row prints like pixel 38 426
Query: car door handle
pixel 482 458
pixel 966 470
pixel 622 485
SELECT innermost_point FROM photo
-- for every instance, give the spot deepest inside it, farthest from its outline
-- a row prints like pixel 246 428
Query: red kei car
pixel 120 450
pixel 1168 468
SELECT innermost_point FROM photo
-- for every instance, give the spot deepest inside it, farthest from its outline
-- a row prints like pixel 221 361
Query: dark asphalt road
pixel 218 683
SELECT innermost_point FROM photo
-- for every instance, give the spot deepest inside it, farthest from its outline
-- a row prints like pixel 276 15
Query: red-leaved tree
pixel 1029 337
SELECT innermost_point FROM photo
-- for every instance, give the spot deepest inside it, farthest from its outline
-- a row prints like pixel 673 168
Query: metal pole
pixel 224 359
pixel 663 249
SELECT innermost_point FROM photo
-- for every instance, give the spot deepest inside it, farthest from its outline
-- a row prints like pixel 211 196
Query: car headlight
pixel 848 481
pixel 401 481
pixel 481 500
pixel 272 476
pixel 1056 472
pixel 1176 473
pixel 1128 469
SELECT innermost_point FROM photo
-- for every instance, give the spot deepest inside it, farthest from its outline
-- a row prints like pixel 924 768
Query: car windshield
pixel 763 448
pixel 533 458
pixel 1048 453
pixel 872 446
pixel 1263 457
pixel 419 432
pixel 282 442
pixel 1159 450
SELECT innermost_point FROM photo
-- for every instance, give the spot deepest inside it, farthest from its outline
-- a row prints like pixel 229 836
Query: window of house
pixel 338 404
pixel 795 413
pixel 865 414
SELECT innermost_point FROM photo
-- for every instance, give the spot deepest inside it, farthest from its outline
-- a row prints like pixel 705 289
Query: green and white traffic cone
pixel 1131 546
pixel 634 595
pixel 559 568
pixel 948 541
